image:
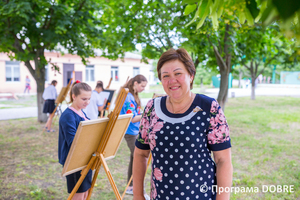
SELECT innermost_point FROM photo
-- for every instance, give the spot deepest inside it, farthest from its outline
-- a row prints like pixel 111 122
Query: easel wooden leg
pixel 94 179
pixel 83 175
pixel 110 178
pixel 127 186
pixel 149 161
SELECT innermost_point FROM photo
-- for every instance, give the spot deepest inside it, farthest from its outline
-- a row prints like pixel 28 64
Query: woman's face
pixel 175 79
pixel 83 99
pixel 139 87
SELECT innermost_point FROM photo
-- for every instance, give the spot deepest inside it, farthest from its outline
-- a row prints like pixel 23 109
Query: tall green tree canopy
pixel 30 27
pixel 160 26
pixel 259 48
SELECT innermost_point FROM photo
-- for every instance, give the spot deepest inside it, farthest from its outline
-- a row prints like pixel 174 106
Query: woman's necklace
pixel 184 108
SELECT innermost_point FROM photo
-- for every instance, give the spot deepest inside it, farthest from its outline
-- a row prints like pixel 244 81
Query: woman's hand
pixel 140 159
pixel 137 118
pixel 224 172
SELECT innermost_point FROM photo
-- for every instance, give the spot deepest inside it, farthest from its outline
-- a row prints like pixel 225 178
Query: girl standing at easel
pixel 132 105
pixel 80 95
pixel 49 95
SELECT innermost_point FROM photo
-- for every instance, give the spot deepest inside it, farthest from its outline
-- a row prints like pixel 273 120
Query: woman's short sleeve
pixel 142 141
pixel 218 133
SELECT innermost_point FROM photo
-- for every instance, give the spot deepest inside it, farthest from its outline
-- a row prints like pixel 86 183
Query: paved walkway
pixel 261 90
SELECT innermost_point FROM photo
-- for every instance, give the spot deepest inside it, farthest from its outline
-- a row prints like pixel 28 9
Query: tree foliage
pixel 259 48
pixel 28 28
pixel 286 13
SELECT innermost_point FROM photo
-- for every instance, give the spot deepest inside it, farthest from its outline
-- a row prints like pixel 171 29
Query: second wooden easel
pixel 97 158
pixel 62 96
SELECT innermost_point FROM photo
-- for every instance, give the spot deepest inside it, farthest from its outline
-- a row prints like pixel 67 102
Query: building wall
pixel 16 86
pixel 102 71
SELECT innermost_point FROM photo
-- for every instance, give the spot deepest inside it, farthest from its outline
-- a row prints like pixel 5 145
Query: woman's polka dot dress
pixel 181 145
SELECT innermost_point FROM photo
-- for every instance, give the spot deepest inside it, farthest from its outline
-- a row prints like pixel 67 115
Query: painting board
pixel 108 94
pixel 87 140
pixel 61 96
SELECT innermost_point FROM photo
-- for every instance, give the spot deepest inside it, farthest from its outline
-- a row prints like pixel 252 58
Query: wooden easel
pixel 148 163
pixel 110 80
pixel 62 96
pixel 122 87
pixel 97 158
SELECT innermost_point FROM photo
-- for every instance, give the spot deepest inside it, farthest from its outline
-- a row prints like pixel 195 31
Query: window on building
pixel 89 73
pixel 114 73
pixel 12 71
pixel 136 71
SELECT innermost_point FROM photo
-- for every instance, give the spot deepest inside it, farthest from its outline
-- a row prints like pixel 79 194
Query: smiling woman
pixel 181 129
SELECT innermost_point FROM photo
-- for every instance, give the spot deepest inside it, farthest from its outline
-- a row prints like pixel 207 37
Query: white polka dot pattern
pixel 181 157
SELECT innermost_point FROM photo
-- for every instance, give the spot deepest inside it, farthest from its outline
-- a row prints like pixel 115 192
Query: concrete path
pixel 17 113
pixel 261 90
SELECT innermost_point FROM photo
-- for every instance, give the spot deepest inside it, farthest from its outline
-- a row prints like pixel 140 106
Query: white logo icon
pixel 203 188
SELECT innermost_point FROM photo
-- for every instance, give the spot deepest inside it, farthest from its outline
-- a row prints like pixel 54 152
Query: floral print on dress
pixel 153 192
pixel 218 129
pixel 157 133
pixel 129 107
pixel 147 130
pixel 157 174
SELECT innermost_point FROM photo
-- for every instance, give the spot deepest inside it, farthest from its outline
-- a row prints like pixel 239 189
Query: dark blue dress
pixel 181 145
pixel 68 124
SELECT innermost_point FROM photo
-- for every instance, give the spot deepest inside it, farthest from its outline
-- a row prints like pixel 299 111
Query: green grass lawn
pixel 265 137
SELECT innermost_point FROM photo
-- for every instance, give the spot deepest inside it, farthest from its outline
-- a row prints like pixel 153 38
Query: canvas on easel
pixel 87 139
pixel 61 97
pixel 108 95
pixel 106 147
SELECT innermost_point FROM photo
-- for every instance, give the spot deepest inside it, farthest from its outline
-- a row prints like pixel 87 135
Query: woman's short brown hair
pixel 180 54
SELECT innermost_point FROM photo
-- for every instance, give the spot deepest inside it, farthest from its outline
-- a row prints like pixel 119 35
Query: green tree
pixel 215 49
pixel 160 26
pixel 286 13
pixel 30 27
pixel 259 48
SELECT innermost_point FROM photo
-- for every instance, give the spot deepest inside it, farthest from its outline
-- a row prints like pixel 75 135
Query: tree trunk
pixel 223 92
pixel 224 64
pixel 40 82
pixel 240 78
pixel 253 71
pixel 253 87
pixel 201 85
pixel 225 67
pixel 42 117
pixel 39 76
